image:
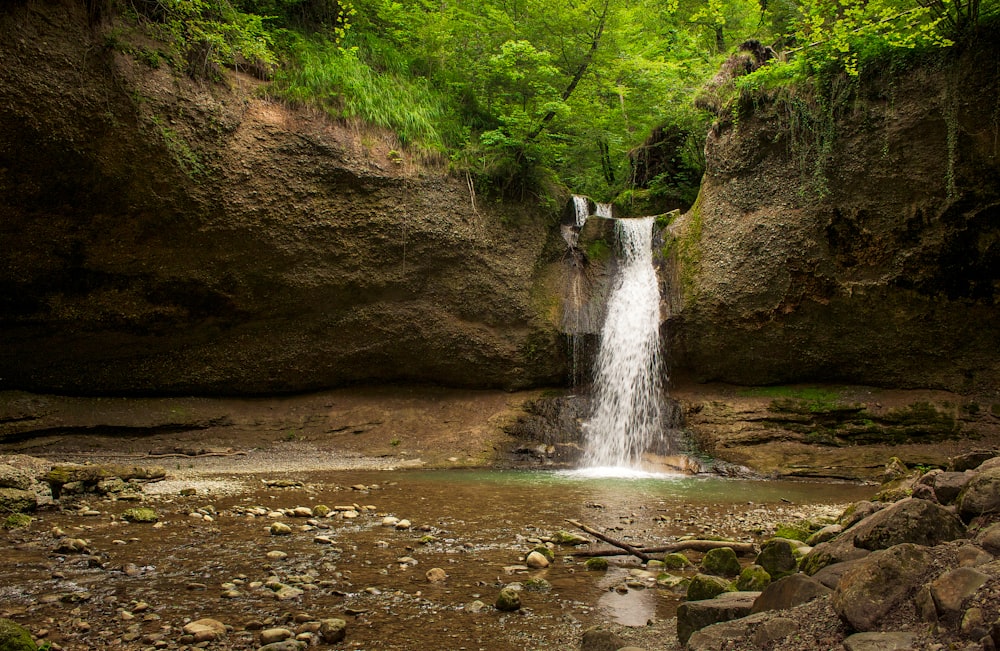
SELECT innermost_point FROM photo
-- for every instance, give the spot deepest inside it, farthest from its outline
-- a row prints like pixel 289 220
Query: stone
pixel 970 460
pixel 676 561
pixel 508 600
pixel 596 564
pixel 285 645
pixel 981 495
pixel 14 637
pixel 907 521
pixel 569 538
pixel 879 584
pixel 879 642
pixel 721 562
pixel 15 500
pixel 476 606
pixel 403 524
pixel 332 630
pixel 838 550
pixel 302 512
pixel 953 588
pixel 704 586
pixel 435 575
pixel 857 512
pixel 831 574
pixel 599 639
pixel 772 630
pixel 973 556
pixel 140 515
pixel 536 561
pixel 753 578
pixel 271 635
pixel 949 485
pixel 989 539
pixel 924 602
pixel 695 615
pixel 719 637
pixel 827 533
pixel 11 477
pixel 205 630
pixel 280 529
pixel 777 558
pixel 788 592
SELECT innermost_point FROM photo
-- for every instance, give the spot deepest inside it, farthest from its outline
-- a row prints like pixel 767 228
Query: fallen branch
pixel 741 549
pixel 629 549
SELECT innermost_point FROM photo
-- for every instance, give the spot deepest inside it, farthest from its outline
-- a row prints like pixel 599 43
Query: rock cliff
pixel 856 241
pixel 166 235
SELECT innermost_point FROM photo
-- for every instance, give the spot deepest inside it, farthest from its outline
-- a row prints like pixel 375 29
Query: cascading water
pixel 626 417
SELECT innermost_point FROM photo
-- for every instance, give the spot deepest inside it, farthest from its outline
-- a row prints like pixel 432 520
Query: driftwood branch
pixel 741 549
pixel 628 549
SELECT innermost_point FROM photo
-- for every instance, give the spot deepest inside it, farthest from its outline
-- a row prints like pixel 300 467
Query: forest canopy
pixel 525 94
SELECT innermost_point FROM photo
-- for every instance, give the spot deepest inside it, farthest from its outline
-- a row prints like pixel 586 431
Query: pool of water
pixel 476 525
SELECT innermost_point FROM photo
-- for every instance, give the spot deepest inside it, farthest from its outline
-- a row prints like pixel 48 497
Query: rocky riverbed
pixel 405 558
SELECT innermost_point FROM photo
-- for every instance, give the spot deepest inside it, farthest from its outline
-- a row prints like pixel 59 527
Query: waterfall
pixel 625 417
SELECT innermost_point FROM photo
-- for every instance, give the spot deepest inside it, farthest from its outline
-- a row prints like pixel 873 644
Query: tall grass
pixel 345 85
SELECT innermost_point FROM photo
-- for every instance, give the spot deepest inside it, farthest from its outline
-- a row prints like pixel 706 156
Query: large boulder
pixel 981 494
pixel 789 592
pixel 695 615
pixel 879 584
pixel 907 521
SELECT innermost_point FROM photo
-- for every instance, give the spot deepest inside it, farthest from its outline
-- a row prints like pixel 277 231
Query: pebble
pixel 302 512
pixel 403 524
pixel 277 555
pixel 536 561
pixel 270 635
pixel 389 521
pixel 436 575
pixel 280 529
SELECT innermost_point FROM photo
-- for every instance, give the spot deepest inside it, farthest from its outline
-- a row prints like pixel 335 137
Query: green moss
pixel 17 521
pixel 689 252
pixel 598 251
pixel 140 515
pixel 546 552
pixel 14 637
pixel 753 579
pixel 597 564
pixel 721 562
pixel 676 561
pixel 703 586
pixel 800 530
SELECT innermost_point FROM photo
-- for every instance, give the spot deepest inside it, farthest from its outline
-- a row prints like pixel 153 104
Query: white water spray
pixel 626 404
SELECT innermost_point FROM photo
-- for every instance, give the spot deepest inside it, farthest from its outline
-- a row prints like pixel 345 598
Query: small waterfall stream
pixel 625 419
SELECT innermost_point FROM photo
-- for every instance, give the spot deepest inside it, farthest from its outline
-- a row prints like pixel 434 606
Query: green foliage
pixel 206 34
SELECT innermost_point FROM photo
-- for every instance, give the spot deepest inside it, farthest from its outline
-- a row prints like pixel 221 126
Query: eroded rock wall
pixel 864 248
pixel 166 235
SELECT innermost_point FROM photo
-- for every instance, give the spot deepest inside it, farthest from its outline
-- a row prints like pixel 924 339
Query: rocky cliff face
pixel 163 235
pixel 859 245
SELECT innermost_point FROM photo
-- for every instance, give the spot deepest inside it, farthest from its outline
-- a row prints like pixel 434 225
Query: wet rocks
pixel 536 560
pixel 204 630
pixel 332 630
pixel 508 600
pixel 14 637
pixel 704 586
pixel 721 562
pixel 436 575
pixel 140 515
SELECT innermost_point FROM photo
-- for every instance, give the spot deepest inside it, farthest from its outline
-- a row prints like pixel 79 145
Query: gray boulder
pixel 719 637
pixel 953 588
pixel 981 495
pixel 778 558
pixel 789 592
pixel 879 584
pixel 600 639
pixel 949 485
pixel 695 615
pixel 907 521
